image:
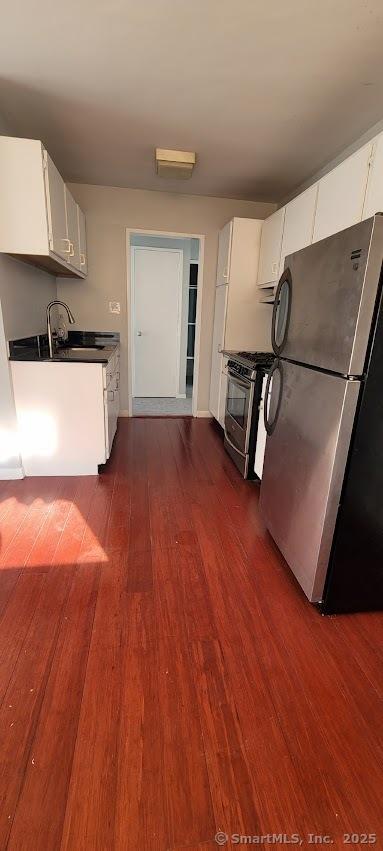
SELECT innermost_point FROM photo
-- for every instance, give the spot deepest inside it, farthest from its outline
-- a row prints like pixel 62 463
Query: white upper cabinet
pixel 270 253
pixel 38 217
pixel 299 223
pixel 374 195
pixel 55 194
pixel 72 230
pixel 341 194
pixel 224 255
pixel 82 240
pixel 240 321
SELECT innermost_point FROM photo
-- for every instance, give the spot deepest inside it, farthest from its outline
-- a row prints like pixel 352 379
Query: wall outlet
pixel 114 307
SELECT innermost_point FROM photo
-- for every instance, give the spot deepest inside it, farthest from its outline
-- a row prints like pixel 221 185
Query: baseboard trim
pixel 181 396
pixel 206 414
pixel 10 473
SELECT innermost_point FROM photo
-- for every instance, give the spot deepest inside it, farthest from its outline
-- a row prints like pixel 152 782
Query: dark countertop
pixel 36 348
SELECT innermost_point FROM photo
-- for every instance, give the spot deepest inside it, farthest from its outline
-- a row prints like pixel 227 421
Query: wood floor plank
pixel 141 781
pixel 189 806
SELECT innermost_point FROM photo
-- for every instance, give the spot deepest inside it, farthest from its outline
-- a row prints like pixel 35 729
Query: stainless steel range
pixel 246 373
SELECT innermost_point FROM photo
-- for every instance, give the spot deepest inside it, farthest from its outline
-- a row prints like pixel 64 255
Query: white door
pixel 299 223
pixel 72 228
pixel 224 255
pixel 374 195
pixel 270 250
pixel 216 356
pixel 55 192
pixel 341 195
pixel 156 292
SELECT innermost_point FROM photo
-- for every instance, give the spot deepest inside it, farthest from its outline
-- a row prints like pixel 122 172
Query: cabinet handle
pixel 82 259
pixel 71 253
pixel 67 250
pixel 225 276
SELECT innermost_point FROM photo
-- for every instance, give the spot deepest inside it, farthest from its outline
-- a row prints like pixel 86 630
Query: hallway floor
pixel 156 406
pixel 162 676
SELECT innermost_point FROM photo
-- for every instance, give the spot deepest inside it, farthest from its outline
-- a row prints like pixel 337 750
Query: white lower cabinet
pixel 67 415
pixel 222 393
pixel 112 401
pixel 216 356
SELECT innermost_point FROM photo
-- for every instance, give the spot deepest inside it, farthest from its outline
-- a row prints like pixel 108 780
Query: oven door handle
pixel 233 446
pixel 240 381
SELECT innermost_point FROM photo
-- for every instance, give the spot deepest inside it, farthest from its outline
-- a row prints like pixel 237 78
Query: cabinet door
pixel 374 195
pixel 57 223
pixel 299 223
pixel 270 251
pixel 341 195
pixel 72 229
pixel 218 342
pixel 261 434
pixel 82 240
pixel 222 394
pixel 224 252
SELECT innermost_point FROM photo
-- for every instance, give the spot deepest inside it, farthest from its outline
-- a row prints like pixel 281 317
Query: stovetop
pixel 247 363
pixel 255 357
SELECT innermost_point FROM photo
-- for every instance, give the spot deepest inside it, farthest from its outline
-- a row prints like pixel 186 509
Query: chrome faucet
pixel 49 324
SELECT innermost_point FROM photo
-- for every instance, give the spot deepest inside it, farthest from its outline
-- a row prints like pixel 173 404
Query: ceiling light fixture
pixel 176 164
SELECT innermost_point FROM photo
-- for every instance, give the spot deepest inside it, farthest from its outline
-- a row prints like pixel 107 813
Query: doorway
pixel 164 283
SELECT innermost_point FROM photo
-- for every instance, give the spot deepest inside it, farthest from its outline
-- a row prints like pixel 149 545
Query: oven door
pixel 239 403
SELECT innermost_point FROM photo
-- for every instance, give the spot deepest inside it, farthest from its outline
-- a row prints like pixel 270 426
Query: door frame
pixel 133 250
pixel 197 344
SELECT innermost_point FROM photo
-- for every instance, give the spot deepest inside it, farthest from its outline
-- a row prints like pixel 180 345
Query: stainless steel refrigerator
pixel 322 487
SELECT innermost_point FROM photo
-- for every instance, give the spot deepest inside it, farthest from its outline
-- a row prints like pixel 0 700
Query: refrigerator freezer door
pixel 304 468
pixel 332 292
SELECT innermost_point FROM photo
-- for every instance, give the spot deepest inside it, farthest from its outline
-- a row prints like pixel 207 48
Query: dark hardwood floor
pixel 162 675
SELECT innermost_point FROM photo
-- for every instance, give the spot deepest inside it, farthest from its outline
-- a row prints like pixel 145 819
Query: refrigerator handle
pixel 286 284
pixel 270 426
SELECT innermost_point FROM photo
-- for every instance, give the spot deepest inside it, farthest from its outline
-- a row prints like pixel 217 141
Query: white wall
pixel 24 295
pixel 184 245
pixel 109 211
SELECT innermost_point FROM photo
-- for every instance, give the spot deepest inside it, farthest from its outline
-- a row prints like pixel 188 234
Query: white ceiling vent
pixel 178 164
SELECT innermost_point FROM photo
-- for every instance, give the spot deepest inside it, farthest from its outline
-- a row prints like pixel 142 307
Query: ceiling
pixel 265 92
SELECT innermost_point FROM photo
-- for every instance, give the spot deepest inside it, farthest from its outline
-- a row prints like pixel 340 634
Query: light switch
pixel 114 307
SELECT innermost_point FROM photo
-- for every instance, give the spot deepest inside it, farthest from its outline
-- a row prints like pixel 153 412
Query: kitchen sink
pixel 81 348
